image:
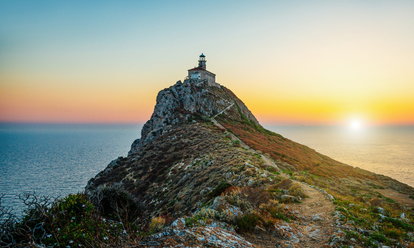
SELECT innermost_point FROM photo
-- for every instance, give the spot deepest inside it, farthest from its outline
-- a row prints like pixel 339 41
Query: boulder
pixel 222 206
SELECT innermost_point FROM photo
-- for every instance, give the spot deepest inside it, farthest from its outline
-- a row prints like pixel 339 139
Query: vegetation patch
pixel 220 188
pixel 247 222
pixel 67 222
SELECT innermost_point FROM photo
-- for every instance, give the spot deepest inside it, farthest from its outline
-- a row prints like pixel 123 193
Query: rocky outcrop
pixel 212 235
pixel 185 101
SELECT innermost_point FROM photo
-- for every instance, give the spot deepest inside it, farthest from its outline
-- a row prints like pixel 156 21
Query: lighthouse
pixel 202 61
pixel 200 72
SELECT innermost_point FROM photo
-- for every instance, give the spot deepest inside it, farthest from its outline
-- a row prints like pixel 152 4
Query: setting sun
pixel 355 124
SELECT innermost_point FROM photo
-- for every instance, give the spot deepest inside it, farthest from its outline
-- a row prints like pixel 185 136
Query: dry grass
pixel 178 171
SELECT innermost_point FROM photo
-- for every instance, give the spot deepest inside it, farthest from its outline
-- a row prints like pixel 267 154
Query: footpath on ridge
pixel 317 224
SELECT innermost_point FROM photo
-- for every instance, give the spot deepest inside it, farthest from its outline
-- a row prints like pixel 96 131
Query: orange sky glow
pixel 296 63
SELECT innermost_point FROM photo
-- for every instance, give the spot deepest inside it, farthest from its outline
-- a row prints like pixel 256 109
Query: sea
pixel 58 159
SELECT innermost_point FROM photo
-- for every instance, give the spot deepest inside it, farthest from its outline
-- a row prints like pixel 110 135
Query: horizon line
pixel 142 123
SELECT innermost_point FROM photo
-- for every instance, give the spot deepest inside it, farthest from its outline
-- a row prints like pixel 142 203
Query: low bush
pixel 275 209
pixel 285 184
pixel 71 221
pixel 393 233
pixel 296 190
pixel 378 237
pixel 207 213
pixel 220 188
pixel 194 221
pixel 247 222
pixel 236 143
pixel 116 203
pixel 247 198
pixel 400 224
pixel 156 224
pixel 376 202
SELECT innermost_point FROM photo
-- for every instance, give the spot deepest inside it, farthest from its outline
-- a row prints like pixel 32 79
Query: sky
pixel 290 62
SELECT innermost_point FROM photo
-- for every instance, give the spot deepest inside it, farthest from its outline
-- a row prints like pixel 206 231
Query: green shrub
pixel 378 237
pixel 193 221
pixel 247 222
pixel 236 143
pixel 398 223
pixel 114 202
pixel 220 188
pixel 289 172
pixel 71 221
pixel 206 119
pixel 351 234
pixel 389 200
pixel 75 222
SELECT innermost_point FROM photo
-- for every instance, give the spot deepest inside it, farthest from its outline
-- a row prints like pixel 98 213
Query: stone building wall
pixel 210 77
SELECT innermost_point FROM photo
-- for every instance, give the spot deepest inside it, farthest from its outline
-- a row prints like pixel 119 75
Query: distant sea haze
pixel 57 160
pixel 383 150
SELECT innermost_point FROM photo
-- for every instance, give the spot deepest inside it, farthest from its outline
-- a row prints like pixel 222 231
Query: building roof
pixel 202 55
pixel 201 69
pixel 197 68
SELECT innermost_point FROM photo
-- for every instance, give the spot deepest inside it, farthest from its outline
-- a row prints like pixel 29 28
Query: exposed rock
pixel 380 210
pixel 337 238
pixel 315 235
pixel 178 235
pixel 316 217
pixel 222 206
pixel 286 231
pixel 178 103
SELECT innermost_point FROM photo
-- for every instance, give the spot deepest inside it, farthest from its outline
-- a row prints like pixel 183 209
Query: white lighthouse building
pixel 200 72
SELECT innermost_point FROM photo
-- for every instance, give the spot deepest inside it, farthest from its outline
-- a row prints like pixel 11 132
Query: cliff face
pixel 186 101
pixel 204 160
pixel 182 150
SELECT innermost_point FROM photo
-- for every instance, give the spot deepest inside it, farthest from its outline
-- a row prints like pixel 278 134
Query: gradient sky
pixel 291 62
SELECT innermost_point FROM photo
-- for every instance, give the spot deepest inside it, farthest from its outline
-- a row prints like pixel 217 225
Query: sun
pixel 355 124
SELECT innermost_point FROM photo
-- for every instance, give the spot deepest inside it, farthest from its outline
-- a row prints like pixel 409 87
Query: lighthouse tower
pixel 202 61
pixel 200 72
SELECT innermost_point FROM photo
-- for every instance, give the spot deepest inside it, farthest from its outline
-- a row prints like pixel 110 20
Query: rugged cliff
pixel 204 161
pixel 186 101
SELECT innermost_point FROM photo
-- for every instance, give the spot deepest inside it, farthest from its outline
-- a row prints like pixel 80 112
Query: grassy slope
pixel 170 173
pixel 319 169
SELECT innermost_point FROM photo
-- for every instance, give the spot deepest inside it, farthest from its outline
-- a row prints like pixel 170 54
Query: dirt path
pixel 316 224
pixel 315 214
pixel 314 228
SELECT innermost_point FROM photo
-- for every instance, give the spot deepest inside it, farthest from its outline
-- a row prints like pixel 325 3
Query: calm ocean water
pixel 57 160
